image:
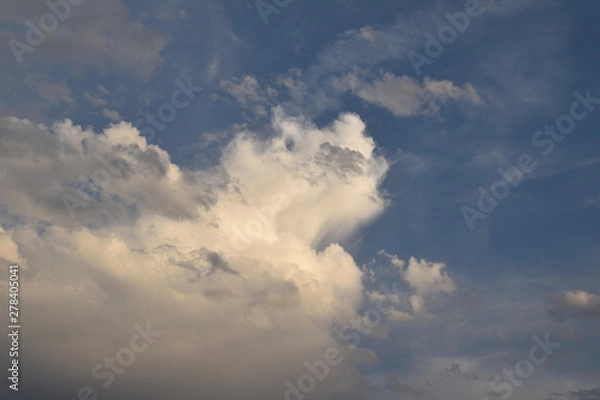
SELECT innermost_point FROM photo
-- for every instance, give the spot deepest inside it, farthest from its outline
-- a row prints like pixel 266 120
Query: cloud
pixel 313 90
pixel 366 46
pixel 9 252
pixel 426 283
pixel 113 115
pixel 575 304
pixel 95 99
pixel 51 92
pixel 238 265
pixel 429 281
pixel 427 278
pixel 249 94
pixel 402 95
pixel 406 97
pixel 99 36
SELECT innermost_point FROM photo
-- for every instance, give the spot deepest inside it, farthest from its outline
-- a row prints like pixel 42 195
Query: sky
pixel 287 199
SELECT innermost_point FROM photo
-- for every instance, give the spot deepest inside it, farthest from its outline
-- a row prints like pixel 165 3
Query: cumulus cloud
pixel 575 304
pixel 239 265
pixel 428 278
pixel 424 284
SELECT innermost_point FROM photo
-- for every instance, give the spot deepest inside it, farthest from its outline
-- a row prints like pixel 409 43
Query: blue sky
pixel 359 169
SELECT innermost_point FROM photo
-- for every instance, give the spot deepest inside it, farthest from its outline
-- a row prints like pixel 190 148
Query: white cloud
pixel 428 282
pixel 428 278
pixel 170 251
